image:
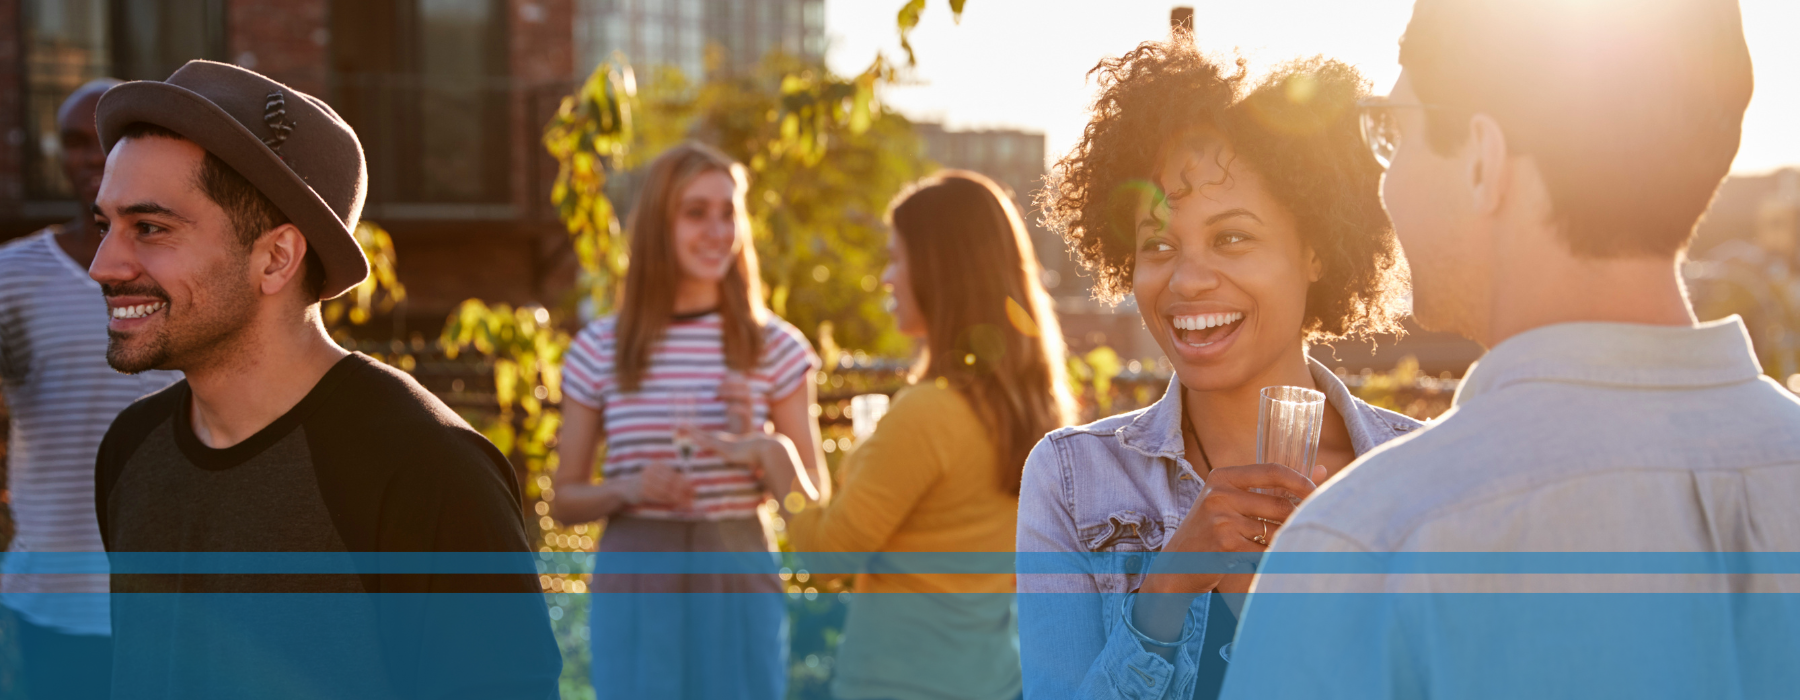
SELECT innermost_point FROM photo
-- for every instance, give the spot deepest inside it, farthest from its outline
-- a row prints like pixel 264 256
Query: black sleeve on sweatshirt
pixel 400 472
pixel 127 431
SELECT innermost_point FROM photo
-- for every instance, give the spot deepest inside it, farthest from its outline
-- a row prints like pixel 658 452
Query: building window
pixel 69 42
pixel 649 34
pixel 457 81
pixel 423 82
pixel 152 38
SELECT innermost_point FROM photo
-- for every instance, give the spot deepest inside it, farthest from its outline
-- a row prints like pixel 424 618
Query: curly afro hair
pixel 1296 127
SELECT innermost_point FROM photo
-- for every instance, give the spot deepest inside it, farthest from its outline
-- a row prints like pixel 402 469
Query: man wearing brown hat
pixel 228 205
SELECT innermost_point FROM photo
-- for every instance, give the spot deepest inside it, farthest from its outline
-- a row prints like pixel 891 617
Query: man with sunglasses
pixel 1547 161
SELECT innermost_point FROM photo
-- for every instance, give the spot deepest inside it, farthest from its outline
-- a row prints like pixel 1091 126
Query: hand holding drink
pixel 1242 507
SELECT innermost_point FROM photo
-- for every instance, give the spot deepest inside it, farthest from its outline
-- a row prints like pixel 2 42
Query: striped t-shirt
pixel 686 368
pixel 62 396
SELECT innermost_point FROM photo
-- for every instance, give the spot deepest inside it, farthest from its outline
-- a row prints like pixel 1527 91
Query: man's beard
pixel 184 338
pixel 1444 295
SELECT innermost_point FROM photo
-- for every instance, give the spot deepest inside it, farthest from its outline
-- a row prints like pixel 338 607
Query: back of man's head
pixel 1631 108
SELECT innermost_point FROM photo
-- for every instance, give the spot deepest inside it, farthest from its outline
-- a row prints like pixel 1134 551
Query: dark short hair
pixel 1296 127
pixel 250 211
pixel 1631 109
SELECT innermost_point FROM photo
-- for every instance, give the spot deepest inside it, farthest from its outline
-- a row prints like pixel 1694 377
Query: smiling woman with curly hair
pixel 1243 217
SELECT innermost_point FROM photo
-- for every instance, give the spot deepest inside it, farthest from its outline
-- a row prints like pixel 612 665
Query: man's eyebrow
pixel 1229 213
pixel 149 208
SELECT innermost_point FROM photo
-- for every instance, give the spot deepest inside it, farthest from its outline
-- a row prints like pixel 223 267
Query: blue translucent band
pixel 907 562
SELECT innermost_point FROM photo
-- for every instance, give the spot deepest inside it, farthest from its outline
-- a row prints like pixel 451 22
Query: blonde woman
pixel 691 347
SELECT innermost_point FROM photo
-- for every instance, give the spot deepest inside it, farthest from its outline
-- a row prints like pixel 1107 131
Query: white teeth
pixel 1204 321
pixel 138 311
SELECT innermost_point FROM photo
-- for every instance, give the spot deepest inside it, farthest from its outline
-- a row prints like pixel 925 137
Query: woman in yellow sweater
pixel 941 472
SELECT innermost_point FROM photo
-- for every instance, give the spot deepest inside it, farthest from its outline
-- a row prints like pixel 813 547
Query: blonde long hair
pixel 991 332
pixel 648 302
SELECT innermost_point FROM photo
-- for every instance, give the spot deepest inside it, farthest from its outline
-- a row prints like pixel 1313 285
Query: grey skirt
pixel 709 626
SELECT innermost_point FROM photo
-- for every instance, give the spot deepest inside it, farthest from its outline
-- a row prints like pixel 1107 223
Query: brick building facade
pixel 456 170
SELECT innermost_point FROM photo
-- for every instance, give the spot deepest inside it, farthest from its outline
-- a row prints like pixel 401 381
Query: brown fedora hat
pixel 290 145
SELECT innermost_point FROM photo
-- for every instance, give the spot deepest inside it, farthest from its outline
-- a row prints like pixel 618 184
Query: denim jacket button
pixel 1134 563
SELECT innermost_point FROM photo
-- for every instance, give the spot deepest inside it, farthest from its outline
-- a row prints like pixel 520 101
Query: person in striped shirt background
pixel 62 396
pixel 692 349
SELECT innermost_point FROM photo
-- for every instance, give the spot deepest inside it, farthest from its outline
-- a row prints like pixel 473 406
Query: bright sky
pixel 1023 63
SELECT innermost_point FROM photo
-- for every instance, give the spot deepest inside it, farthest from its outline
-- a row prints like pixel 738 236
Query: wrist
pixel 1169 584
pixel 625 487
pixel 1151 625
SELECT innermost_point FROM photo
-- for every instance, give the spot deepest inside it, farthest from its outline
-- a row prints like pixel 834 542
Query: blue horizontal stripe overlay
pixel 1457 645
pixel 915 562
pixel 1516 645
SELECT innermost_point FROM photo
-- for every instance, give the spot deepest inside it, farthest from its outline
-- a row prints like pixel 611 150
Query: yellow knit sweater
pixel 926 481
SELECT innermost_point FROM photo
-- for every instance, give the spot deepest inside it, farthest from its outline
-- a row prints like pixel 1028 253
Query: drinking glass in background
pixel 865 411
pixel 739 414
pixel 685 425
pixel 1287 430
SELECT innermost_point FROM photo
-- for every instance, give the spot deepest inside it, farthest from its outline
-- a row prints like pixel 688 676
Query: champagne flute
pixel 683 436
pixel 1287 430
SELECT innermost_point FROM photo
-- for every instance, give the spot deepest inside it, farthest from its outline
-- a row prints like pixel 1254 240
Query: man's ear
pixel 1487 164
pixel 1315 268
pixel 281 259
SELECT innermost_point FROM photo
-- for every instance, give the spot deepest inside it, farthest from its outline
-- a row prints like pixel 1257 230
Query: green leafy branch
pixel 526 352
pixel 909 20
pixel 591 130
pixel 380 292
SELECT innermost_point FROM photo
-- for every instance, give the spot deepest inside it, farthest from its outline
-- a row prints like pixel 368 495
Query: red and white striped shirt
pixel 686 368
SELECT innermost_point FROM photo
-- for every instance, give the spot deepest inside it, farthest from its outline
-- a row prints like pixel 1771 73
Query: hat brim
pixel 199 120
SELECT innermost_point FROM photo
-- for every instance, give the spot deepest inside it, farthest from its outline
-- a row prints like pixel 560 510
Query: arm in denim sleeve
pixel 1064 645
pixel 1322 635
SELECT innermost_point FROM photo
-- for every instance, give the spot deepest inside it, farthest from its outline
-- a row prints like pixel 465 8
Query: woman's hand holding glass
pixel 1228 517
pixel 659 485
pixel 771 455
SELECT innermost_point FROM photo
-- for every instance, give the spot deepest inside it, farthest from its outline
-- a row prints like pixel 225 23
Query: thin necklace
pixel 1187 430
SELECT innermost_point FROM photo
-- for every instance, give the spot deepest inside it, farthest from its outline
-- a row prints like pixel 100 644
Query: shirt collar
pixel 1617 354
pixel 1157 431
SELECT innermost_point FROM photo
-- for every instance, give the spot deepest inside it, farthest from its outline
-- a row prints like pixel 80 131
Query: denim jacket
pixel 1120 485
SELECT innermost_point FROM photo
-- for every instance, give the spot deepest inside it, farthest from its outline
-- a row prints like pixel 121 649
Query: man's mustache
pixel 137 289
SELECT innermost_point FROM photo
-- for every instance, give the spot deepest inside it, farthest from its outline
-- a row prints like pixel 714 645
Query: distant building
pixel 678 32
pixel 55 46
pixel 447 97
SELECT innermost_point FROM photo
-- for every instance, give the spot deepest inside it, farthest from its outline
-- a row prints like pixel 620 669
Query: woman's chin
pixel 708 275
pixel 1215 367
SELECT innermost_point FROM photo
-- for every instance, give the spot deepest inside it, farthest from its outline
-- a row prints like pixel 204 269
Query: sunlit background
pixel 1021 63
pixel 464 110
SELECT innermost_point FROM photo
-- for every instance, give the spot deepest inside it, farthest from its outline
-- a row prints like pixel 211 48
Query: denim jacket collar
pixel 1618 354
pixel 1157 431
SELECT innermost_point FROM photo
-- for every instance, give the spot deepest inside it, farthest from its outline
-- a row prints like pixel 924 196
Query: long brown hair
pixel 990 330
pixel 648 303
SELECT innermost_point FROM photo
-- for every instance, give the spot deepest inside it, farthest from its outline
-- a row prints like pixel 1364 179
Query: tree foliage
pixel 380 292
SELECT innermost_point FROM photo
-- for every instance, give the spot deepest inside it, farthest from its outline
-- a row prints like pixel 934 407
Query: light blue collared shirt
pixel 1581 437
